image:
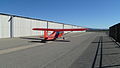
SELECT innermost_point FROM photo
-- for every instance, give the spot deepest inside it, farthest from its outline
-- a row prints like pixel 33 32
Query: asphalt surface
pixel 103 52
pixel 77 51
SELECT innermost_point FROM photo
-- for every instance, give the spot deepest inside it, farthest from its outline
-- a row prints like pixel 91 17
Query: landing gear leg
pixel 63 38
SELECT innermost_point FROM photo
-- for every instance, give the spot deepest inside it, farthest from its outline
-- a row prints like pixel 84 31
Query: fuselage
pixel 54 35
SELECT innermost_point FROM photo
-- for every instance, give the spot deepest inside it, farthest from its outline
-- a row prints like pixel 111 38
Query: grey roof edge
pixel 35 19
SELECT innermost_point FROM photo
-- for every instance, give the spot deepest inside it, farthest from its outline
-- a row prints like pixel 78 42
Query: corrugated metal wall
pixel 75 27
pixel 78 27
pixel 17 26
pixel 54 26
pixel 23 27
pixel 4 26
pixel 66 26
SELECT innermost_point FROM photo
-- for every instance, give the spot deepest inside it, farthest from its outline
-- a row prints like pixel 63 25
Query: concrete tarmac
pixel 30 53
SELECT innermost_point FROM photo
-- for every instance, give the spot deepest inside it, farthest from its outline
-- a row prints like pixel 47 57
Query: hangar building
pixel 19 26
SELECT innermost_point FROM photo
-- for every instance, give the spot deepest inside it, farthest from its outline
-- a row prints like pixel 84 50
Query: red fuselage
pixel 53 36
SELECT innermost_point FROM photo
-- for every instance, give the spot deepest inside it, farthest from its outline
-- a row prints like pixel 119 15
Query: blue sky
pixel 86 13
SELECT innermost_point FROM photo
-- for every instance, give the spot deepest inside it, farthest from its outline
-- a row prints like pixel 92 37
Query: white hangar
pixel 18 26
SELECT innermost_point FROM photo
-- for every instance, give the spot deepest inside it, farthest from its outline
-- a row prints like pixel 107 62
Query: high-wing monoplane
pixel 57 33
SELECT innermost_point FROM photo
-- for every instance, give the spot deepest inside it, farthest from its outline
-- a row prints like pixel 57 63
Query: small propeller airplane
pixel 57 33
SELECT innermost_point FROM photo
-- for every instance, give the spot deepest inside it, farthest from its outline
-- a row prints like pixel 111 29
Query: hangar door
pixel 23 27
pixel 4 26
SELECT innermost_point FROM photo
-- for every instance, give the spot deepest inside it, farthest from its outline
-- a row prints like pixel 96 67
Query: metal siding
pixel 82 31
pixel 20 27
pixel 76 27
pixel 67 27
pixel 17 26
pixel 0 27
pixel 81 27
pixel 42 24
pixel 38 24
pixel 5 26
pixel 54 26
pixel 23 27
pixel 33 25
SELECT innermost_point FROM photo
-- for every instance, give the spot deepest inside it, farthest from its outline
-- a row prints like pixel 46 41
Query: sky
pixel 85 13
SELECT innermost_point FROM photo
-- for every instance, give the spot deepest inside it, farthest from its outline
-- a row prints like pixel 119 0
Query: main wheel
pixel 63 38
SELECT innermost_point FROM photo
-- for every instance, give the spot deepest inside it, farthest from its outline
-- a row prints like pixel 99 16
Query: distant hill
pixel 96 30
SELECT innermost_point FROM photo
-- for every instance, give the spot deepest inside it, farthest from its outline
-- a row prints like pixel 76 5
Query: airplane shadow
pixel 42 41
pixel 31 38
pixel 38 40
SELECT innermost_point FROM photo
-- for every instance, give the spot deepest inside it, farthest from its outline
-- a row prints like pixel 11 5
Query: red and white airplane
pixel 57 33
